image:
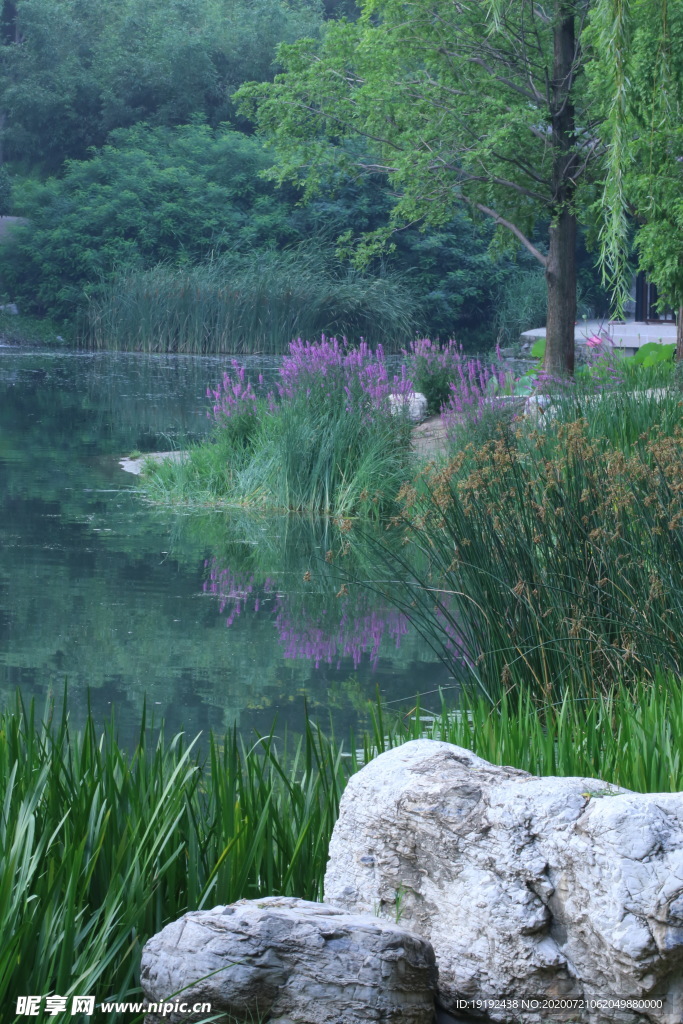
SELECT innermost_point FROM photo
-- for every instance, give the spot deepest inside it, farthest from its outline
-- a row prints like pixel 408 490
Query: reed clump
pixel 631 736
pixel 325 440
pixel 550 559
pixel 248 303
pixel 100 846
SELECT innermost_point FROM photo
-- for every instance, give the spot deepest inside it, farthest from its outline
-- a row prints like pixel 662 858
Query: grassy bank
pixel 100 846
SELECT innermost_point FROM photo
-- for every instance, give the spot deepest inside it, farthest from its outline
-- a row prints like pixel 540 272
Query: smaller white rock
pixel 413 405
pixel 289 961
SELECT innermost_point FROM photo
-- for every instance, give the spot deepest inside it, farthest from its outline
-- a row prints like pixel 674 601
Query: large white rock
pixel 528 888
pixel 413 405
pixel 289 961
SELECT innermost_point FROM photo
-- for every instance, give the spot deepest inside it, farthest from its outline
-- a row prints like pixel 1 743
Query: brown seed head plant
pixel 570 557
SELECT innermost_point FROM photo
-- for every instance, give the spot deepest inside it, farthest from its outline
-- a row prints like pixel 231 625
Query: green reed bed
pixel 248 303
pixel 623 415
pixel 303 458
pixel 630 736
pixel 552 558
pixel 101 846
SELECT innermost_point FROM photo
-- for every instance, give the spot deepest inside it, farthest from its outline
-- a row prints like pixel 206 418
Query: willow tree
pixel 639 94
pixel 475 102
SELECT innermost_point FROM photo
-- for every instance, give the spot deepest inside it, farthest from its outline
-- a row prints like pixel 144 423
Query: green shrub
pixel 433 368
pixel 5 192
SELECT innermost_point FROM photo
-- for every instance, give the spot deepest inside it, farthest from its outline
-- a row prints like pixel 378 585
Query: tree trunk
pixel 560 276
pixel 561 268
pixel 679 334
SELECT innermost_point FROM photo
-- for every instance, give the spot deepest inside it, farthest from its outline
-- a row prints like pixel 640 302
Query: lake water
pixel 206 619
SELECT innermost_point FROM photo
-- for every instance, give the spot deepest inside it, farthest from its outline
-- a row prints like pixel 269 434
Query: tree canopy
pixel 71 71
pixel 643 135
pixel 485 104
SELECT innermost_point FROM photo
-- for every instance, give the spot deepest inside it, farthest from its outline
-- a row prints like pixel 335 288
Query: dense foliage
pixel 166 213
pixel 478 104
pixel 636 90
pixel 150 195
pixel 123 148
pixel 70 72
pixel 552 555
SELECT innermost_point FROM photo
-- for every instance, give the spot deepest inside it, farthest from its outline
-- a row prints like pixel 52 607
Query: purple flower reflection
pixel 236 591
pixel 353 635
pixel 350 628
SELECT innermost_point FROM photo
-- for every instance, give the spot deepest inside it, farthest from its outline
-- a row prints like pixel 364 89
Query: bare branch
pixel 543 260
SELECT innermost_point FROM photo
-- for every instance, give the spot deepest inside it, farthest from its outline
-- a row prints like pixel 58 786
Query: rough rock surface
pixel 291 962
pixel 413 404
pixel 528 888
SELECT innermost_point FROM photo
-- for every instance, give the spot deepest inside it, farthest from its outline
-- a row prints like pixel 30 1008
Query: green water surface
pixel 208 620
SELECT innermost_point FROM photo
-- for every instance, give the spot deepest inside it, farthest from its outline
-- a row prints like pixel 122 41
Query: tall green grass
pixel 101 846
pixel 624 416
pixel 630 736
pixel 305 456
pixel 249 303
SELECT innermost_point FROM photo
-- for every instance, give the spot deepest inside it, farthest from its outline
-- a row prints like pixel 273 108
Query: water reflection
pixel 100 590
pixel 317 626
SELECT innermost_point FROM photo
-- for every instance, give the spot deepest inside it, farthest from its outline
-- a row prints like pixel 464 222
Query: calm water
pixel 208 620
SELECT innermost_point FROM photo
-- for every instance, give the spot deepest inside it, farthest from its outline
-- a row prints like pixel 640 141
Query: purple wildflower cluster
pixel 458 387
pixel 331 368
pixel 472 392
pixel 234 396
pixel 436 358
pixel 328 369
pixel 473 387
pixel 357 631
